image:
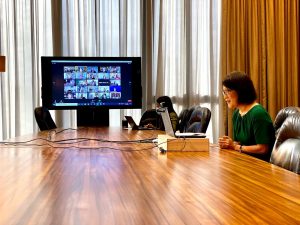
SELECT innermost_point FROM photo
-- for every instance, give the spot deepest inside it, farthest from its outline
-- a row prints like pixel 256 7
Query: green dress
pixel 255 127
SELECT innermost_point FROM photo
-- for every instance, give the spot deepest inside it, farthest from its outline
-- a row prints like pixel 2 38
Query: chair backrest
pixel 282 115
pixel 199 120
pixel 44 119
pixel 286 150
pixel 150 116
pixel 184 118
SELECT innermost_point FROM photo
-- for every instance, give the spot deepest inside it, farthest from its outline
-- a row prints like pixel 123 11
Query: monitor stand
pixel 93 117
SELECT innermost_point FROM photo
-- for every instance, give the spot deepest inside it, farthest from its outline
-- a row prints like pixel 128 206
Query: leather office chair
pixel 184 118
pixel 199 120
pixel 282 115
pixel 286 150
pixel 150 116
pixel 44 119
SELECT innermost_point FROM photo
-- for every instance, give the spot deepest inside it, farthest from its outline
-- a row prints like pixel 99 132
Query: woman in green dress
pixel 253 131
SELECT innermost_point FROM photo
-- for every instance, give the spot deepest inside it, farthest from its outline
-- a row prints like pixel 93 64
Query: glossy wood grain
pixel 131 183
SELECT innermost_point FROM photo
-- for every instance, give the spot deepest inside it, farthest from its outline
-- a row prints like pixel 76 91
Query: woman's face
pixel 230 97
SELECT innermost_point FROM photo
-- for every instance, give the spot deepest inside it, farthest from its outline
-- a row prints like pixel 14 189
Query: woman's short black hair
pixel 243 85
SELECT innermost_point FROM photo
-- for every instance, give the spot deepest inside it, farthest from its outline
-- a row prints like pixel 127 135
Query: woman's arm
pixel 257 149
pixel 227 143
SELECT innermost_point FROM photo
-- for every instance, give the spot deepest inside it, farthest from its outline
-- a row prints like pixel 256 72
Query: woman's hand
pixel 227 143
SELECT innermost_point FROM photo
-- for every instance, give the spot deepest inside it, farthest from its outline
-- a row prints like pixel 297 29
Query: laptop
pixel 134 126
pixel 169 129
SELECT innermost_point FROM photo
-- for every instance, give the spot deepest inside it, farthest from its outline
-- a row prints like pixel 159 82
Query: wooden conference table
pixel 131 183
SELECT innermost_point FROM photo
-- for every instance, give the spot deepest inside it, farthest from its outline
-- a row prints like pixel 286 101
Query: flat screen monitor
pixel 91 82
